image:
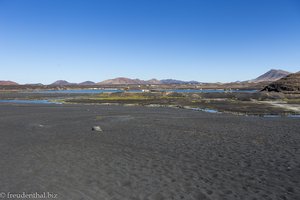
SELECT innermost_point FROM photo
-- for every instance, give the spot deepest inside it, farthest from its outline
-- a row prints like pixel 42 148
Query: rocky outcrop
pixel 290 83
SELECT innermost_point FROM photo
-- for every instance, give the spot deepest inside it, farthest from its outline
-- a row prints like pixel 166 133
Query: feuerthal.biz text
pixel 28 195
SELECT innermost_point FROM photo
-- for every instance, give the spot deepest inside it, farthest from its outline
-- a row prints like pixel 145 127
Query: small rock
pixel 96 128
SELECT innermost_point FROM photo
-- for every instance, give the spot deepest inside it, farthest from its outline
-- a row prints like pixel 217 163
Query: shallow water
pixel 271 116
pixel 294 116
pixel 207 91
pixel 279 116
pixel 18 101
pixel 264 116
pixel 87 91
pixel 206 110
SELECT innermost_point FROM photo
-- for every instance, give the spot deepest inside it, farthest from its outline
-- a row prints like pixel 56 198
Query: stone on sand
pixel 97 128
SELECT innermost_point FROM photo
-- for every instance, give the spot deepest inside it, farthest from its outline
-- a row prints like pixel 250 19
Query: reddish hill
pixel 8 83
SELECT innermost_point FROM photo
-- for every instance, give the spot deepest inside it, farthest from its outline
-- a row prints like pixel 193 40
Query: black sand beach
pixel 147 153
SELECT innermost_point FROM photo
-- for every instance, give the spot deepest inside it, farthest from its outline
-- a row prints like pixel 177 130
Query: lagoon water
pixel 79 91
pixel 19 101
pixel 207 91
pixel 93 91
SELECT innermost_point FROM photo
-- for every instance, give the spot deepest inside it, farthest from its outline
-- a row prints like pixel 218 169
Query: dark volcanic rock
pixel 290 83
pixel 96 128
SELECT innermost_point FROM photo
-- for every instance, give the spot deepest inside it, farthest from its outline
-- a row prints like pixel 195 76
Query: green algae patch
pixel 249 104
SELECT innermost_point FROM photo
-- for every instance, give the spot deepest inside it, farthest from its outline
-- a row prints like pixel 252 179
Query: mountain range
pixel 63 82
pixel 270 76
pixel 128 81
pixel 174 81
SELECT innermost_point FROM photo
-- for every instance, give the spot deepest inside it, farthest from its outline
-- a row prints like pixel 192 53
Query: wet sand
pixel 147 153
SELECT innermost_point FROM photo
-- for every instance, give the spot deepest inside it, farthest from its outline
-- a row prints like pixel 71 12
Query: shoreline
pixel 206 110
pixel 247 104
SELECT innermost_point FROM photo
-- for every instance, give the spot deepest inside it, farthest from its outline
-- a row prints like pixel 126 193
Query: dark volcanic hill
pixel 272 75
pixel 8 83
pixel 128 81
pixel 290 83
pixel 62 82
pixel 87 83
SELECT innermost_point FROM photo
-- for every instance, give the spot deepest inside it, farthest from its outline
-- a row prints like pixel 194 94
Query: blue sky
pixel 209 41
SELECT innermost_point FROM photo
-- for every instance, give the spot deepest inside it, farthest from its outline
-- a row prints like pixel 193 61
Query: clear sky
pixel 204 40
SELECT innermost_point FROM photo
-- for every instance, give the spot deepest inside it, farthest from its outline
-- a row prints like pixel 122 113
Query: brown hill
pixel 128 81
pixel 272 75
pixel 62 82
pixel 8 83
pixel 290 83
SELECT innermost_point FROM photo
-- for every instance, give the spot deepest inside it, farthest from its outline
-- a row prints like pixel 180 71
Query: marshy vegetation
pixel 253 103
pixel 240 103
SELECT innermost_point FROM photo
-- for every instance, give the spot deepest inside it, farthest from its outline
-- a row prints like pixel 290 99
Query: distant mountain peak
pixel 271 75
pixel 278 71
pixel 62 82
pixel 87 83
